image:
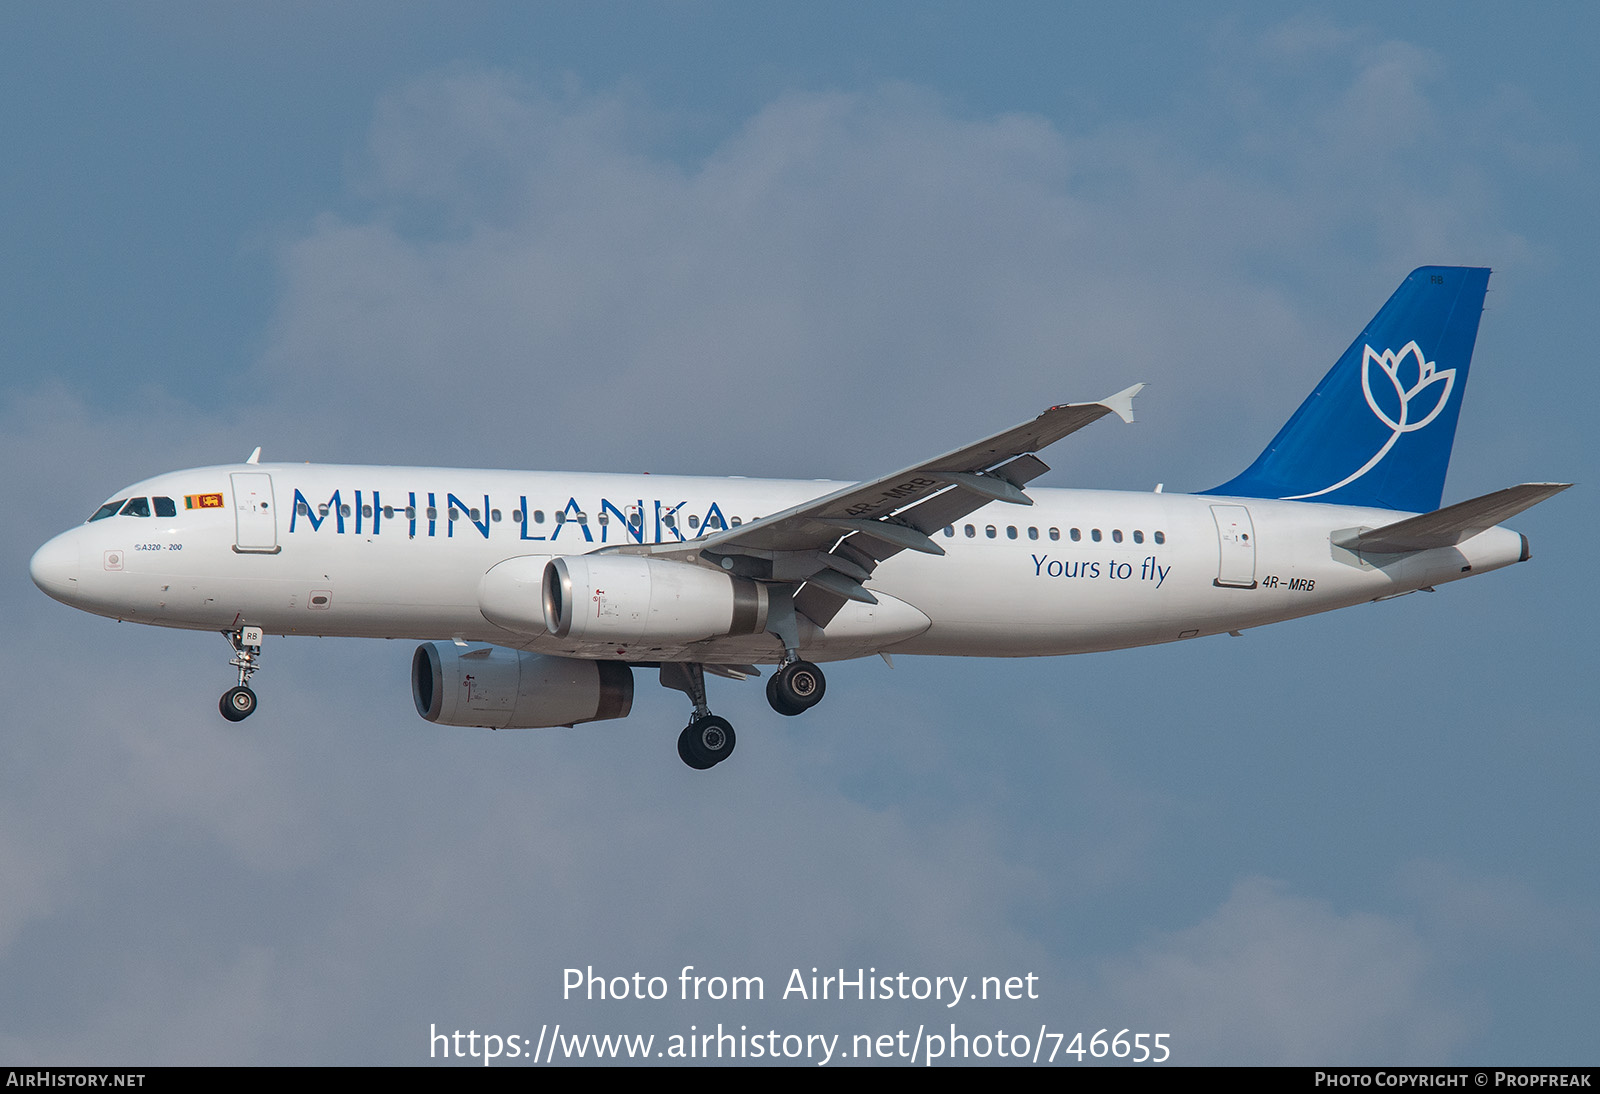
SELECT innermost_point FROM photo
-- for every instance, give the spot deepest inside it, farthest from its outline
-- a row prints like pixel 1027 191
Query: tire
pixel 776 701
pixel 706 742
pixel 686 754
pixel 796 688
pixel 237 704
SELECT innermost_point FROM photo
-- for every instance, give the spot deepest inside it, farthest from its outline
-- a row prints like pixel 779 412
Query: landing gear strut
pixel 238 703
pixel 707 740
pixel 796 687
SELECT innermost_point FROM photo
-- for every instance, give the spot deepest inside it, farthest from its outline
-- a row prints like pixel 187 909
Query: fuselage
pixel 391 552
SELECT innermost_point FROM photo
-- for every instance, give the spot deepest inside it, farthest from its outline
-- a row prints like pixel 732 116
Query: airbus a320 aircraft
pixel 542 593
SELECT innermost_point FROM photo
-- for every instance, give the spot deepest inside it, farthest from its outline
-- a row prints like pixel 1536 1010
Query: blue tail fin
pixel 1377 431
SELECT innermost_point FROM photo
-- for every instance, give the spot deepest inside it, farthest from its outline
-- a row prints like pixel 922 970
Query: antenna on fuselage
pixel 255 457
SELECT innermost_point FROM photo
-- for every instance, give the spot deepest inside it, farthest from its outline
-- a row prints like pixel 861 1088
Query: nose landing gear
pixel 238 703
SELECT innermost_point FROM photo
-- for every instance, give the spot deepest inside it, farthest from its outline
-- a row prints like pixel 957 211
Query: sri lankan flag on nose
pixel 202 501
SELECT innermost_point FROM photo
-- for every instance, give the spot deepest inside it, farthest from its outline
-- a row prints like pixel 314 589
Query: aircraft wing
pixel 834 542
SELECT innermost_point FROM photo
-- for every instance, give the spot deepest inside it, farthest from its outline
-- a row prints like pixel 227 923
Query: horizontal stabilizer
pixel 1451 525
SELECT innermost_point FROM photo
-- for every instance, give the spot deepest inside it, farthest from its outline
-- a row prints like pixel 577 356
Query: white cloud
pixel 535 276
pixel 1467 912
pixel 1279 979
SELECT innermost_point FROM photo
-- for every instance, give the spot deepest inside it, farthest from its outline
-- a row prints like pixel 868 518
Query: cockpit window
pixel 107 509
pixel 165 507
pixel 137 507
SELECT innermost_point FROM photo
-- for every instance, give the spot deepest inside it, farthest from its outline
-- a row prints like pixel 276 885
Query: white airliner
pixel 540 593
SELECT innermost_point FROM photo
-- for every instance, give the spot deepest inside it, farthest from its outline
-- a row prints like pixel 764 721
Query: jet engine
pixel 626 599
pixel 507 689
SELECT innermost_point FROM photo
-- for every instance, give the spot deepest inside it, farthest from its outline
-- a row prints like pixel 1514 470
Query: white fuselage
pixel 390 552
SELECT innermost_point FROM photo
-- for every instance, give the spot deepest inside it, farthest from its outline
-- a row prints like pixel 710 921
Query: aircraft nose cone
pixel 54 567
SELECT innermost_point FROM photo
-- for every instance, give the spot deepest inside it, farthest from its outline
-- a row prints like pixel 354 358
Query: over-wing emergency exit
pixel 538 595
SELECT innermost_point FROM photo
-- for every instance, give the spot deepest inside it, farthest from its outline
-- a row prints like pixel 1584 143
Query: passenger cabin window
pixel 1094 534
pixel 137 507
pixel 165 507
pixel 1160 537
pixel 1076 535
pixel 110 508
pixel 1138 536
pixel 1055 533
pixel 1116 535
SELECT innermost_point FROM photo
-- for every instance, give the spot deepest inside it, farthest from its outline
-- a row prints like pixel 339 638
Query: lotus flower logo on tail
pixel 1402 400
pixel 1399 367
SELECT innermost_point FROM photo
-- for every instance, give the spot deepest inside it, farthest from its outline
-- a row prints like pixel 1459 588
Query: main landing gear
pixel 796 687
pixel 707 740
pixel 238 703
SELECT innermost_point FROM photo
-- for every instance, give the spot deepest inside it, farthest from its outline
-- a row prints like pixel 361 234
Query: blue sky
pixel 818 240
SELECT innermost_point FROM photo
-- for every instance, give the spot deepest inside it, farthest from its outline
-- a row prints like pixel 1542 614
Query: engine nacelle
pixel 507 689
pixel 629 599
